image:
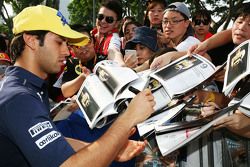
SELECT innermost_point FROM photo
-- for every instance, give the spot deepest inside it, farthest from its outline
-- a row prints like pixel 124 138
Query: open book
pixel 171 137
pixel 97 97
pixel 159 117
pixel 184 74
pixel 104 93
pixel 174 80
pixel 238 67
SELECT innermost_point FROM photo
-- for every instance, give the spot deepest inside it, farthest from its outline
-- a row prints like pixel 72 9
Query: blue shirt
pixel 28 137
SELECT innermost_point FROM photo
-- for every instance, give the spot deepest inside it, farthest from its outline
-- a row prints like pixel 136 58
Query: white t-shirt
pixel 187 43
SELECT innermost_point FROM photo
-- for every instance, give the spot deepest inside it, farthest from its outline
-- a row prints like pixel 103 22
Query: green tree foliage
pixel 18 6
pixel 81 11
pixel 223 10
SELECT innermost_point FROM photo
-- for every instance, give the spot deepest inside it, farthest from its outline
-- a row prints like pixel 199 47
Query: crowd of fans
pixel 169 31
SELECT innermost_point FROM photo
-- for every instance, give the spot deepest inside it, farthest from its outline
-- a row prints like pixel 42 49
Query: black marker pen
pixel 134 90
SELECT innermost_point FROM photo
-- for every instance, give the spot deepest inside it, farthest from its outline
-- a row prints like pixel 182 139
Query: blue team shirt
pixel 28 137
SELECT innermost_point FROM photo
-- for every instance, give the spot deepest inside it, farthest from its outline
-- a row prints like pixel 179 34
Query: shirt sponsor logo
pixel 48 138
pixel 39 128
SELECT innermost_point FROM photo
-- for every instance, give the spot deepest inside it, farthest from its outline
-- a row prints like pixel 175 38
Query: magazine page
pixel 171 141
pixel 237 66
pixel 184 74
pixel 103 118
pixel 170 148
pixel 114 76
pixel 245 105
pixel 149 125
pixel 125 93
pixel 92 98
pixel 60 110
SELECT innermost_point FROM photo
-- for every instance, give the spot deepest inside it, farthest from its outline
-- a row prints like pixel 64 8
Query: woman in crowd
pixel 129 31
pixel 145 44
pixel 154 14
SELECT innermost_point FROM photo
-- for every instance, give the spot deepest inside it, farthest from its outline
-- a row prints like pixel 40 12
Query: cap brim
pixel 131 44
pixel 74 37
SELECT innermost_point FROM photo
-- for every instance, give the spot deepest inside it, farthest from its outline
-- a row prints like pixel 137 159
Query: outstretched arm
pixel 218 39
pixel 105 150
pixel 71 87
pixel 237 123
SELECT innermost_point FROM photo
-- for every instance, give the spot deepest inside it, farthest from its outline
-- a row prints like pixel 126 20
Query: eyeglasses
pixel 172 22
pixel 198 22
pixel 108 19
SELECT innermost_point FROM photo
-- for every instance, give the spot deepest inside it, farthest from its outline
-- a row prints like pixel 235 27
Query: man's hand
pixel 85 71
pixel 131 149
pixel 199 49
pixel 161 61
pixel 209 109
pixel 140 108
pixel 237 123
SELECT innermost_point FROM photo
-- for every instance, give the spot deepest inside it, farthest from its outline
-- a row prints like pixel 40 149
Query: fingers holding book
pixel 141 106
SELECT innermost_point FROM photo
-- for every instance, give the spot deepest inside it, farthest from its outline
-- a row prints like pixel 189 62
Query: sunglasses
pixel 108 19
pixel 199 21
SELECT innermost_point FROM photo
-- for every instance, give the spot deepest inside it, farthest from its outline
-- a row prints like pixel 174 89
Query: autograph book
pixel 97 97
pixel 238 67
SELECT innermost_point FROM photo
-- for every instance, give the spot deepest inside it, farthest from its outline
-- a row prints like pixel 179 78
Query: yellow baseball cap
pixel 42 17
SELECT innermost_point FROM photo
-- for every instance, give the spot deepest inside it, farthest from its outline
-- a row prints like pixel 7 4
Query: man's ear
pixel 30 40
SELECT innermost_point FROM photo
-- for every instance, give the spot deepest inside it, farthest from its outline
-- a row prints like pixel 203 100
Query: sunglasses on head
pixel 108 19
pixel 199 21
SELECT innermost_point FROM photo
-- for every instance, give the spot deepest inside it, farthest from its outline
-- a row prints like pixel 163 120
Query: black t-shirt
pixel 73 70
pixel 219 56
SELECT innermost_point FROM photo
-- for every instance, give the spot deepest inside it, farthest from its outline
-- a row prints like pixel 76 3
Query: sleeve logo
pixel 48 138
pixel 39 128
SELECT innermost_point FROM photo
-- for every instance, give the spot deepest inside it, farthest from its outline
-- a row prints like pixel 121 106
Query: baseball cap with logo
pixel 180 7
pixel 41 17
pixel 4 57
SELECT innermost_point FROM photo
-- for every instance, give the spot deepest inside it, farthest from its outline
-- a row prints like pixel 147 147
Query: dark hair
pixel 160 52
pixel 243 11
pixel 203 13
pixel 17 44
pixel 151 4
pixel 121 33
pixel 3 46
pixel 136 23
pixel 114 5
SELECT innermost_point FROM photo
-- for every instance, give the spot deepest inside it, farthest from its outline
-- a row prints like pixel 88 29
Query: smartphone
pixel 130 52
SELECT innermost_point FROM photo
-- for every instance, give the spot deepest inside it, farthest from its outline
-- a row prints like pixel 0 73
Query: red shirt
pixel 208 35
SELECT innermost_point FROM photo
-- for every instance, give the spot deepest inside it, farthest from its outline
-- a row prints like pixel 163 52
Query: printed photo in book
pixel 237 66
pixel 184 74
pixel 97 97
pixel 88 104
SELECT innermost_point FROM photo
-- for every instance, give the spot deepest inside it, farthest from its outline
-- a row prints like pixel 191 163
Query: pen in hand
pixel 134 90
